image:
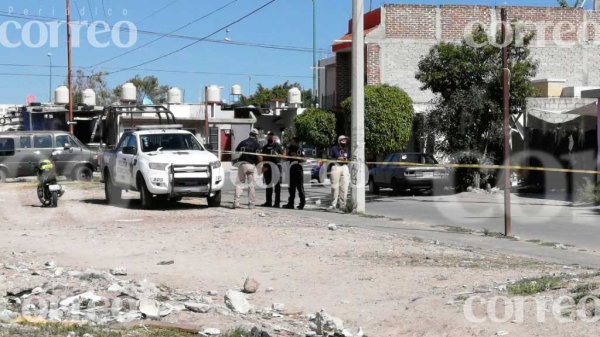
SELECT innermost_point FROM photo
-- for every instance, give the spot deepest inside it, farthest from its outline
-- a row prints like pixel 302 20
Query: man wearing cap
pixel 340 174
pixel 250 156
pixel 272 170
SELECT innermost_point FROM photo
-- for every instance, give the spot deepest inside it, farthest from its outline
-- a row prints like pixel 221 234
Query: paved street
pixel 534 218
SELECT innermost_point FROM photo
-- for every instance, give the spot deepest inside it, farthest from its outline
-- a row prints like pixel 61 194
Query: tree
pixel 147 87
pixel 94 81
pixel 565 3
pixel 263 96
pixel 388 118
pixel 468 79
pixel 316 127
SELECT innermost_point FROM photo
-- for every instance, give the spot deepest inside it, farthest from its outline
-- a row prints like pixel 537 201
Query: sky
pixel 25 70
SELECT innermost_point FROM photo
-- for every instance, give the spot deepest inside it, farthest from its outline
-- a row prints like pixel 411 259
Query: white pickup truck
pixel 163 163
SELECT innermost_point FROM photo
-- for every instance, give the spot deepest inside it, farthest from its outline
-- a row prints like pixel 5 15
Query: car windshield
pixel 169 142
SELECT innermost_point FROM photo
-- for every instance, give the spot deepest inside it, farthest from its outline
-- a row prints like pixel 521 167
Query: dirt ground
pixel 389 285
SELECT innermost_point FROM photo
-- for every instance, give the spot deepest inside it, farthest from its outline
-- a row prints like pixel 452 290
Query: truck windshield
pixel 169 142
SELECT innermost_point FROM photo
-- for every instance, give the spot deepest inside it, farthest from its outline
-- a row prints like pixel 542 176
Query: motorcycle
pixel 48 189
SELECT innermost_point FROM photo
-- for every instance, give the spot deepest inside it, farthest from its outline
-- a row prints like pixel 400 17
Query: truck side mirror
pixel 67 147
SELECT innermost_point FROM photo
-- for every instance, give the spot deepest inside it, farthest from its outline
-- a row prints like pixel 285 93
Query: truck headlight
pixel 158 166
pixel 215 164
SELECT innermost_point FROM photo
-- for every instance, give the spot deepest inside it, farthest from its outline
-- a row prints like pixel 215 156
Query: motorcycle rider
pixel 46 175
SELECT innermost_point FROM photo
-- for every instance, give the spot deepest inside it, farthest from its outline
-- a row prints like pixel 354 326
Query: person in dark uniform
pixel 271 151
pixel 296 174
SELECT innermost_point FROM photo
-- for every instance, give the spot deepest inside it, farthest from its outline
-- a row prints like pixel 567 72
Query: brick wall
pixel 411 30
pixel 343 76
pixel 455 19
pixel 422 22
pixel 372 60
pixel 410 21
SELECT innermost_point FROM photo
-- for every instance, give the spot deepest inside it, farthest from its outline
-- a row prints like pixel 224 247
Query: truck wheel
pixel 82 173
pixel 111 192
pixel 145 195
pixel 214 201
pixel 3 176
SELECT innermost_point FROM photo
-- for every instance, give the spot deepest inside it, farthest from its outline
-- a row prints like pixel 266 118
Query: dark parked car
pixel 21 151
pixel 319 173
pixel 420 172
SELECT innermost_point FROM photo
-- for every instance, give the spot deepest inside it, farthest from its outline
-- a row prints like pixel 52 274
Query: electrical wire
pixel 104 10
pixel 196 42
pixel 174 71
pixel 187 37
pixel 91 14
pixel 164 35
pixel 158 11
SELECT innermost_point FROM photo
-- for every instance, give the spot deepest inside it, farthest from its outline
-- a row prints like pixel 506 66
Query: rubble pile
pixel 106 298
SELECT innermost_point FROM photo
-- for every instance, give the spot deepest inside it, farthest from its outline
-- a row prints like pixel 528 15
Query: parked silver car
pixel 408 171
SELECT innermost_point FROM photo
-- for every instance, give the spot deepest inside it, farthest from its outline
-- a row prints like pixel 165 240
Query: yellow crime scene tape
pixel 454 166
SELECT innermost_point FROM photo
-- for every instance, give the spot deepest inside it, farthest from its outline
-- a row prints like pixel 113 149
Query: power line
pixel 164 35
pixel 158 11
pixel 104 10
pixel 77 8
pixel 186 37
pixel 90 7
pixel 174 71
pixel 196 42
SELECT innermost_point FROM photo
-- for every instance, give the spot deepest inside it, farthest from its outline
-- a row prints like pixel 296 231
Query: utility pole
pixel 69 71
pixel 206 129
pixel 358 107
pixel 505 108
pixel 50 85
pixel 315 65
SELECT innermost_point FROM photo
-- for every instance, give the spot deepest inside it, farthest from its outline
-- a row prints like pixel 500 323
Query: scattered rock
pixel 114 288
pixel 347 333
pixel 150 308
pixel 197 307
pixel 55 315
pixel 89 297
pixel 19 290
pixel 213 293
pixel 90 275
pixel 251 285
pixel 278 306
pixel 50 264
pixel 270 290
pixel 327 324
pixel 119 271
pixel 129 316
pixel 59 271
pixel 166 263
pixel 7 316
pixel 332 227
pixel 501 333
pixel 211 332
pixel 237 302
